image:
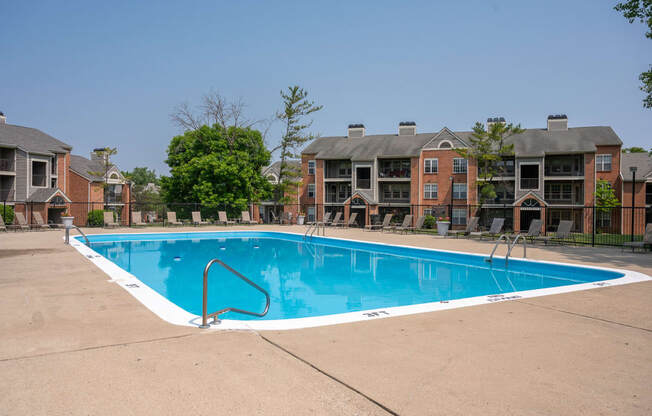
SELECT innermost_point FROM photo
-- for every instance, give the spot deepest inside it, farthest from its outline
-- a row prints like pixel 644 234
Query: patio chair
pixel 494 230
pixel 196 219
pixel 172 218
pixel 471 227
pixel 108 219
pixel 336 221
pixel 40 224
pixel 3 227
pixel 275 219
pixel 19 221
pixel 563 233
pixel 534 231
pixel 352 220
pixel 246 219
pixel 647 240
pixel 137 219
pixel 327 219
pixel 286 218
pixel 419 225
pixel 222 219
pixel 406 226
pixel 385 224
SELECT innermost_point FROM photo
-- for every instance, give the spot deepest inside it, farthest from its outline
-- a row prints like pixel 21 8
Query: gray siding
pixel 21 175
pixel 519 161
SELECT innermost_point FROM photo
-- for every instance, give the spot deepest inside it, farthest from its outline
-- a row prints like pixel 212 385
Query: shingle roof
pixel 31 140
pixel 45 194
pixel 84 166
pixel 642 161
pixel 275 167
pixel 532 142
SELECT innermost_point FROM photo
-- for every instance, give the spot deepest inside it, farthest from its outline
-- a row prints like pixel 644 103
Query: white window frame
pixel 457 167
pixel 460 194
pixel 539 178
pixel 430 191
pixel 458 219
pixel 312 166
pixel 427 211
pixel 311 190
pixel 429 164
pixel 600 162
pixel 31 173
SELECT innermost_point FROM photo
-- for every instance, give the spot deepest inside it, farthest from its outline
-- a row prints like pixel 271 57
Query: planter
pixel 300 219
pixel 442 227
pixel 67 221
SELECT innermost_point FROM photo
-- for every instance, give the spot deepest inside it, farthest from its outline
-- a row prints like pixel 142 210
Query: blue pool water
pixel 322 277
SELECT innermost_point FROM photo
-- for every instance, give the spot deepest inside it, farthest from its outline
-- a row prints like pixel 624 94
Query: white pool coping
pixel 173 314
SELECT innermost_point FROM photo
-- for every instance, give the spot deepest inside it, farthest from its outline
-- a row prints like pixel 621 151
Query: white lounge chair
pixel 246 219
pixel 109 220
pixel 172 218
pixel 223 218
pixel 19 221
pixel 39 222
pixel 196 219
pixel 137 219
pixel 647 240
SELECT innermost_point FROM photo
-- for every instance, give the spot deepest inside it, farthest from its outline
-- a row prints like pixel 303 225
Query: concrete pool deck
pixel 73 343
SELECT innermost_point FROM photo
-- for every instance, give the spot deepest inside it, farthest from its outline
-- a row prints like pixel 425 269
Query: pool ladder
pixel 315 226
pixel 505 238
pixel 215 315
pixel 67 241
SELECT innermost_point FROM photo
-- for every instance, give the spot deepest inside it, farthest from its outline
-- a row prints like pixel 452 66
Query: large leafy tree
pixel 296 107
pixel 488 147
pixel 218 167
pixel 640 10
pixel 140 178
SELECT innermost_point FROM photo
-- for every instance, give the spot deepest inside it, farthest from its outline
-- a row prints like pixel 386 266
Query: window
pixel 459 165
pixel 39 174
pixel 459 191
pixel 53 182
pixel 459 216
pixel 430 191
pixel 311 214
pixel 529 176
pixel 603 163
pixel 445 144
pixel 604 219
pixel 311 167
pixel 396 192
pixel 427 211
pixel 311 190
pixel 430 165
pixel 363 178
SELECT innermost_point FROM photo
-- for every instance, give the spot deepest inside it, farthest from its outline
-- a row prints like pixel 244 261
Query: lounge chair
pixel 196 219
pixel 494 230
pixel 534 231
pixel 563 233
pixel 348 223
pixel 3 227
pixel 647 240
pixel 136 219
pixel 385 224
pixel 108 219
pixel 275 219
pixel 471 227
pixel 19 221
pixel 223 219
pixel 406 226
pixel 336 221
pixel 286 218
pixel 419 225
pixel 245 219
pixel 327 219
pixel 172 218
pixel 352 220
pixel 39 221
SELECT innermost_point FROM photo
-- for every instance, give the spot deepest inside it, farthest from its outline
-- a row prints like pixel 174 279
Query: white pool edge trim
pixel 173 314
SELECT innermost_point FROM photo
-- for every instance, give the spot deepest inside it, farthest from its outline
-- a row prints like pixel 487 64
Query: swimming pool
pixel 320 281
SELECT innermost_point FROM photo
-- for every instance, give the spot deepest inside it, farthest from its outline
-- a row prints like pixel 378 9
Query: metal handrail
pixel 315 227
pixel 511 246
pixel 501 238
pixel 215 315
pixel 80 231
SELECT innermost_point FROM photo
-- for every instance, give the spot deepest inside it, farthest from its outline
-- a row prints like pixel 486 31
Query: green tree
pixel 141 176
pixel 640 10
pixel 104 154
pixel 605 196
pixel 296 107
pixel 489 149
pixel 218 167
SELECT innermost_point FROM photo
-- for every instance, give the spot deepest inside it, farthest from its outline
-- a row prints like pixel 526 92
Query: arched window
pixel 445 144
pixel 114 176
pixel 57 200
pixel 530 203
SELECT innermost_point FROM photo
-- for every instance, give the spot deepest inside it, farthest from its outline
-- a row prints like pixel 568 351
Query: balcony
pixel 564 166
pixel 529 183
pixel 338 169
pixel 7 165
pixel 397 193
pixel 394 169
pixel 7 194
pixel 335 198
pixel 564 193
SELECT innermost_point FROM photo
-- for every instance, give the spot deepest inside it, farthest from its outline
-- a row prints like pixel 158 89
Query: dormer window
pixel 445 144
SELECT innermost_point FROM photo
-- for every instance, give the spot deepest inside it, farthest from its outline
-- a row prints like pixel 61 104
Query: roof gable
pixel 445 135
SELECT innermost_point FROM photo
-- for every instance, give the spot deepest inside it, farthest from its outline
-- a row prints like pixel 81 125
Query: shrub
pixel 7 212
pixel 96 218
pixel 429 222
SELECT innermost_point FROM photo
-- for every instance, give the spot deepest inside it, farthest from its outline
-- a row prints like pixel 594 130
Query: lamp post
pixel 633 170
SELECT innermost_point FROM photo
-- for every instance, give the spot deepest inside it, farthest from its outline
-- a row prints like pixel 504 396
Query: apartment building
pixel 641 189
pixel 554 169
pixel 267 211
pixel 39 174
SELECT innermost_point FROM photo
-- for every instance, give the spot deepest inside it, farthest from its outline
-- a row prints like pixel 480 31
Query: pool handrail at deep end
pixel 215 315
pixel 67 240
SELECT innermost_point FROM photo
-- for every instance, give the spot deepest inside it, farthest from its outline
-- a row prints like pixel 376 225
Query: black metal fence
pixel 591 225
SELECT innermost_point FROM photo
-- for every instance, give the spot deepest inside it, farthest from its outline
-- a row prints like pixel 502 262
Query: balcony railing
pixel 335 198
pixel 529 183
pixel 7 165
pixel 393 173
pixel 113 199
pixel 573 172
pixel 563 198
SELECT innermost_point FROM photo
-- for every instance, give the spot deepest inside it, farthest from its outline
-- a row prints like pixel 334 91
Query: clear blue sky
pixel 110 73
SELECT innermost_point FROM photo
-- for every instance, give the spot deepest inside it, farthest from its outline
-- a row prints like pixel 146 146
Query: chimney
pixel 494 120
pixel 3 118
pixel 407 128
pixel 558 122
pixel 356 131
pixel 99 154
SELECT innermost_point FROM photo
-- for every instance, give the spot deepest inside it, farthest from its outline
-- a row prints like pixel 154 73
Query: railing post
pixel 593 227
